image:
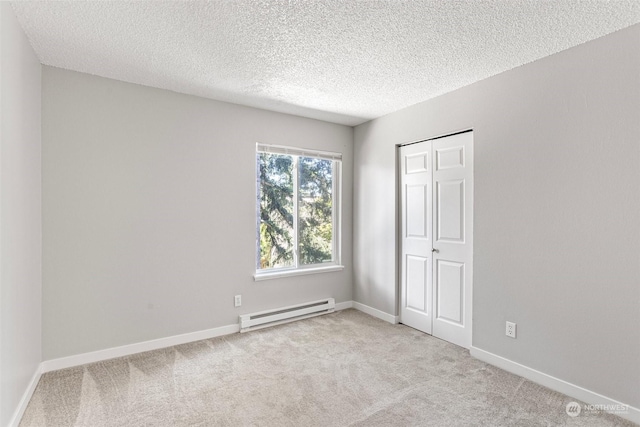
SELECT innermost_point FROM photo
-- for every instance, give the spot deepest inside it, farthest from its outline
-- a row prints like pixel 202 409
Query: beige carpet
pixel 342 369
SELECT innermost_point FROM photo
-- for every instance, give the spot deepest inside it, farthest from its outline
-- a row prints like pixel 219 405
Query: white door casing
pixel 445 252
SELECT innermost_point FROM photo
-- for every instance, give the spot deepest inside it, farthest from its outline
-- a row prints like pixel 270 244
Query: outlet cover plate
pixel 511 329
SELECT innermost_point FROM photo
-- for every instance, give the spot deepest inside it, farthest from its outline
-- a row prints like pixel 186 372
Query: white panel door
pixel 417 242
pixel 453 237
pixel 436 179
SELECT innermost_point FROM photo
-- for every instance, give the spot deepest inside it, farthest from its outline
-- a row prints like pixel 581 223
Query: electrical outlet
pixel 511 329
pixel 237 300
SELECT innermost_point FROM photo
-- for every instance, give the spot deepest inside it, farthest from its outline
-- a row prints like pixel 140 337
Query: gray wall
pixel 149 212
pixel 20 214
pixel 557 236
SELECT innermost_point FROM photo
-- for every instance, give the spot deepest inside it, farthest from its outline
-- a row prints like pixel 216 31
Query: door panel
pixel 449 291
pixel 417 272
pixel 450 211
pixel 453 213
pixel 436 182
pixel 417 210
pixel 416 222
pixel 447 158
pixel 416 163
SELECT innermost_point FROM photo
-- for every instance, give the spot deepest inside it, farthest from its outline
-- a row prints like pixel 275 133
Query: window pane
pixel 315 206
pixel 276 210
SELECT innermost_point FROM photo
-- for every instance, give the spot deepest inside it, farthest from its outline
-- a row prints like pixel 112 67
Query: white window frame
pixel 296 270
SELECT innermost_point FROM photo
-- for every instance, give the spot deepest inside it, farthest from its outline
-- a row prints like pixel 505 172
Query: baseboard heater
pixel 263 319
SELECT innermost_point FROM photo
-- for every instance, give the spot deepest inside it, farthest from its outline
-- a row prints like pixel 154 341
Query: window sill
pixel 299 272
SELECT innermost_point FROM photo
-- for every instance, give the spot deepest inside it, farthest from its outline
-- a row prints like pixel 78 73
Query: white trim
pixel 368 310
pixel 127 350
pixel 376 313
pixel 572 390
pixel 297 272
pixel 295 151
pixel 26 397
pixel 538 377
pixel 344 305
pixel 336 213
pixel 296 214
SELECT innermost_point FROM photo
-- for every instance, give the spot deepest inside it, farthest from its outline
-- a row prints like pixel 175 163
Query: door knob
pixel 435 250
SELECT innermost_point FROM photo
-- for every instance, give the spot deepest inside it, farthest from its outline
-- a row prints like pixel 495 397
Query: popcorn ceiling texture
pixel 334 60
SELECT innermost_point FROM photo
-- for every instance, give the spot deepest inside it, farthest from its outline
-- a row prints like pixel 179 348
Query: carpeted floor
pixel 342 369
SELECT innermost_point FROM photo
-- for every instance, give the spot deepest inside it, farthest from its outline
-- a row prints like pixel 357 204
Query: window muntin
pixel 298 201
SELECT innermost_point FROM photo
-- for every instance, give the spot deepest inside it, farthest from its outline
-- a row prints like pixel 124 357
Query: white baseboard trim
pixel 344 305
pixel 587 396
pixel 26 397
pixel 127 350
pixel 376 313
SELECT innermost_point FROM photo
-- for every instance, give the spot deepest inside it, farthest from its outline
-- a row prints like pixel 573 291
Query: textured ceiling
pixel 336 60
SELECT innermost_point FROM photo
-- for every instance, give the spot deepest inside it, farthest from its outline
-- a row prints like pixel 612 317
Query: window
pixel 298 206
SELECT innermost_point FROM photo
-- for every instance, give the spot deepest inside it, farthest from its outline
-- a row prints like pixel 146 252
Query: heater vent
pixel 263 319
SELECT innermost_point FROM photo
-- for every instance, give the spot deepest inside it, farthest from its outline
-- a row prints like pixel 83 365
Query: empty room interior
pixel 320 213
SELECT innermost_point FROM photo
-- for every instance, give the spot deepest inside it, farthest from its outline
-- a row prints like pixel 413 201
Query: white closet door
pixel 436 212
pixel 417 236
pixel 453 237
